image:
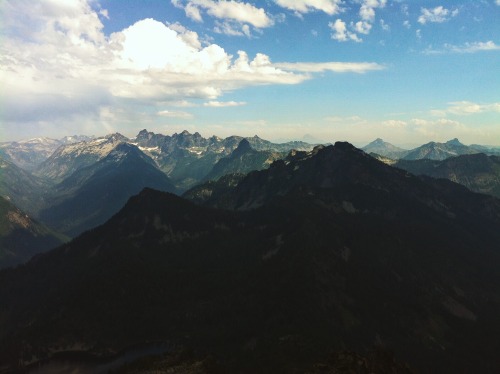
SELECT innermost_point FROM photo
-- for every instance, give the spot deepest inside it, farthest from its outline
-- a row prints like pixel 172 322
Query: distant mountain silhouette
pixel 385 149
pixel 324 251
pixel 440 151
pixel 478 172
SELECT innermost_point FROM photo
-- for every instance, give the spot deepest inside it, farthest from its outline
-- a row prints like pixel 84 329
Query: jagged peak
pixel 243 146
pixel 144 132
pixel 454 141
pixel 116 137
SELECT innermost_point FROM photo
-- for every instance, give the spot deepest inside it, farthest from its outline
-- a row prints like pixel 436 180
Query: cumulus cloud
pixel 304 6
pixel 230 10
pixel 340 32
pixel 63 68
pixel 436 15
pixel 367 9
pixel 472 47
pixel 364 26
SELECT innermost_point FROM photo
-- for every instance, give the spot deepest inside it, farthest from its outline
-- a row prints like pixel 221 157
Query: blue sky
pixel 407 71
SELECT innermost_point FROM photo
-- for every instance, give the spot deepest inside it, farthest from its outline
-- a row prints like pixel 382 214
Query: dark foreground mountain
pixel 478 172
pixel 92 194
pixel 21 237
pixel 341 253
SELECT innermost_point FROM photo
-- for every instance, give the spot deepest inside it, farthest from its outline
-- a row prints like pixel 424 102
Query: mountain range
pixel 29 154
pixel 431 150
pixel 440 151
pixel 68 158
pixel 325 251
pixel 70 193
pixel 478 172
pixel 242 160
pixel 92 194
pixel 382 148
pixel 188 158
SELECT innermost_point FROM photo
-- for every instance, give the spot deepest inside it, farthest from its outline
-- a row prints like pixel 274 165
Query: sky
pixel 406 71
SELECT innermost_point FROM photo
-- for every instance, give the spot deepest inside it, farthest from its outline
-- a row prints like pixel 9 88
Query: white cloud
pixel 437 130
pixel 497 2
pixel 62 68
pixel 465 48
pixel 363 27
pixel 340 32
pixel 336 67
pixel 174 114
pixel 193 12
pixel 104 13
pixel 304 6
pixel 462 108
pixel 226 10
pixel 407 24
pixel 223 104
pixel 436 15
pixel 395 123
pixel 367 14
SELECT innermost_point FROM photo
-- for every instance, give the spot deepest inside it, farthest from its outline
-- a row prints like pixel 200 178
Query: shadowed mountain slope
pixel 91 195
pixel 23 189
pixel 21 237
